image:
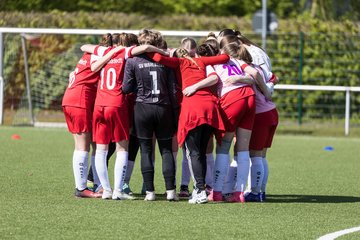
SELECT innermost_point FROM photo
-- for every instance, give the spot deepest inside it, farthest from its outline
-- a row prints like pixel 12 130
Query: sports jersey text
pixel 116 61
pixel 233 70
pixel 150 64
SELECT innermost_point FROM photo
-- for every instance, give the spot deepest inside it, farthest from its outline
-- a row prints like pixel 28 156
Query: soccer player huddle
pixel 130 91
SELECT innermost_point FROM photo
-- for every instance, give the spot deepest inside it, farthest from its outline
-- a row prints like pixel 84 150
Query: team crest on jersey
pixel 83 62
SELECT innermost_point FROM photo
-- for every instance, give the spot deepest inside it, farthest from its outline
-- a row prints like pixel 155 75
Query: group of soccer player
pixel 130 91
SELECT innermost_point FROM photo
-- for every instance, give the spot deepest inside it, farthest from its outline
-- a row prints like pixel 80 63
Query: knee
pixel 224 147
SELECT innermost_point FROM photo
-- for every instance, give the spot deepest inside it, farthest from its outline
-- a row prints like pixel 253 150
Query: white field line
pixel 337 234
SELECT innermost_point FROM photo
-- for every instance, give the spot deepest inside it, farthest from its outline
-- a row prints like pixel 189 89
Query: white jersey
pixel 261 59
pixel 224 71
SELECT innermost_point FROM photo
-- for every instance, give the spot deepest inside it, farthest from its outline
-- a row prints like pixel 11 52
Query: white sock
pixel 80 168
pixel 101 169
pixel 230 179
pixel 210 162
pixel 220 171
pixel 185 172
pixel 95 175
pixel 266 175
pixel 120 169
pixel 257 174
pixel 243 161
pixel 129 170
pixel 248 185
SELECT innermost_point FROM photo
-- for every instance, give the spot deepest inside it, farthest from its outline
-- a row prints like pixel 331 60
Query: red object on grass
pixel 16 137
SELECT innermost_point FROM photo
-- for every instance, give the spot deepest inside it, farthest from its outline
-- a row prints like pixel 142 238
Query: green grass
pixel 311 192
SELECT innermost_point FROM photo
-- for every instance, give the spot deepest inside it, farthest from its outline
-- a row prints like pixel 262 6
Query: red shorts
pixel 78 120
pixel 111 124
pixel 239 113
pixel 264 129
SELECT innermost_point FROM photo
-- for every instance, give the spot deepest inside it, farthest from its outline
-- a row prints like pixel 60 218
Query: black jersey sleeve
pixel 129 81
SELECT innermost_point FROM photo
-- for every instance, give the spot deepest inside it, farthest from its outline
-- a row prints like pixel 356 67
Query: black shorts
pixel 153 118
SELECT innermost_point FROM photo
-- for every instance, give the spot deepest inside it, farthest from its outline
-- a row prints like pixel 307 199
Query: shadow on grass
pixel 158 197
pixel 310 199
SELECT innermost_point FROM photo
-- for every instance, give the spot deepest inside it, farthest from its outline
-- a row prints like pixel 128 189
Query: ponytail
pixel 106 40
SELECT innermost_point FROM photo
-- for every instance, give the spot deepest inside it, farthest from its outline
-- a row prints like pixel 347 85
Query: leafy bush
pixel 331 53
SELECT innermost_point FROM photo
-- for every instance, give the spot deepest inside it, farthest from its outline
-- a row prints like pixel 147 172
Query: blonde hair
pixel 150 37
pixel 238 51
pixel 119 39
pixel 183 53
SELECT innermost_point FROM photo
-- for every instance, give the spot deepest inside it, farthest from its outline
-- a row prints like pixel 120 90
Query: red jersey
pixel 191 73
pixel 109 91
pixel 201 107
pixel 81 90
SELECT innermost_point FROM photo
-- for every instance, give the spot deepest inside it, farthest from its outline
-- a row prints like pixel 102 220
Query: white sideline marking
pixel 337 234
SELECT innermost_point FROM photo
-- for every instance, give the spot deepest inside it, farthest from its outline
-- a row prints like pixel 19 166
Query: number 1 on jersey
pixel 154 80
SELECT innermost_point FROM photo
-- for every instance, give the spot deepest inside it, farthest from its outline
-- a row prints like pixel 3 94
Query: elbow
pixel 257 77
pixel 215 80
pixel 94 68
pixel 126 90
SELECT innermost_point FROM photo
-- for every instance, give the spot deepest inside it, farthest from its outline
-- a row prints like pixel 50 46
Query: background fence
pixel 317 59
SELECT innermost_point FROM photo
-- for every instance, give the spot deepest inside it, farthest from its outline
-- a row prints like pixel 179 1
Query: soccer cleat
pixel 263 196
pixel 184 191
pixel 86 193
pixel 107 194
pixel 126 189
pixel 252 197
pixel 150 196
pixel 171 195
pixel 215 196
pixel 118 195
pixel 237 197
pixel 198 197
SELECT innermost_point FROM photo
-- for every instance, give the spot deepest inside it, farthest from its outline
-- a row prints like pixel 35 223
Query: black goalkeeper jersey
pixel 152 82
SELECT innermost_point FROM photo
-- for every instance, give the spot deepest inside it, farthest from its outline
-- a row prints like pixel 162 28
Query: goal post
pixel 33 99
pixel 44 84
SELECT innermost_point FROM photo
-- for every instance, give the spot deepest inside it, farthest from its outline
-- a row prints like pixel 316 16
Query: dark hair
pixel 206 50
pixel 214 44
pixel 162 44
pixel 228 32
pixel 235 33
pixel 106 40
pixel 188 43
pixel 132 39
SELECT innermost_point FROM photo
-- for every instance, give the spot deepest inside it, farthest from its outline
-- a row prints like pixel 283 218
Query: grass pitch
pixel 311 192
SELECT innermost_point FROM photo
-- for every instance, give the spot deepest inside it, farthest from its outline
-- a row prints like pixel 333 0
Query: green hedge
pixel 331 50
